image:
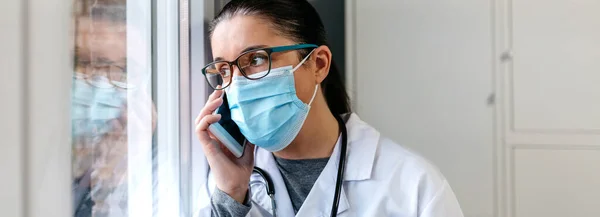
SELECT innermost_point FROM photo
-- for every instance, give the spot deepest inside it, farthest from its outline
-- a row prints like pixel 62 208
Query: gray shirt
pixel 299 177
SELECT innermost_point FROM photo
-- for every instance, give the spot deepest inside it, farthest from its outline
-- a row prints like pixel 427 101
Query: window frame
pixel 140 168
pixel 166 92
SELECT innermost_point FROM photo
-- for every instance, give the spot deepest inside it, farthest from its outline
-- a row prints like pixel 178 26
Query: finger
pixel 214 95
pixel 201 130
pixel 206 121
pixel 208 109
pixel 211 97
pixel 198 117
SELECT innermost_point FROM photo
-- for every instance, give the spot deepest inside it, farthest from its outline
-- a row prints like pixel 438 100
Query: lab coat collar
pixel 362 145
pixel 363 141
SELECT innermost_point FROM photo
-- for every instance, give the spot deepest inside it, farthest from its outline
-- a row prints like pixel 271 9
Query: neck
pixel 318 135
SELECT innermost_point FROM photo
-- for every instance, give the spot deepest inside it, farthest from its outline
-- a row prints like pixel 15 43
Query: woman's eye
pixel 225 72
pixel 258 59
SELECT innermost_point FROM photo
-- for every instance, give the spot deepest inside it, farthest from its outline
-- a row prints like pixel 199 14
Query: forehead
pixel 105 39
pixel 86 24
pixel 231 36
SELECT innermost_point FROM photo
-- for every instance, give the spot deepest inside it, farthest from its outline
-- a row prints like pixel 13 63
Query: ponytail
pixel 335 93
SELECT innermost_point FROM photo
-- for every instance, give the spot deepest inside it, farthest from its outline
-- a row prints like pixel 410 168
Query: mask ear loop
pixel 303 60
pixel 317 85
pixel 314 94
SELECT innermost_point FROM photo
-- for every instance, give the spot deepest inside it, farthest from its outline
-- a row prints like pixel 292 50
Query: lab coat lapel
pixel 264 160
pixel 363 141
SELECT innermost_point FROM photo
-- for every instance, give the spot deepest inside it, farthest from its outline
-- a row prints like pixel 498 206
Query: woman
pixel 274 65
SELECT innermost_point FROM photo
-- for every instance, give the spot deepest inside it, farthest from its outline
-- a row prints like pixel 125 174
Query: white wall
pixel 423 75
pixel 35 91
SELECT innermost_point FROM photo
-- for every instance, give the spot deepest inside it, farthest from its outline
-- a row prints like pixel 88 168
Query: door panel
pixel 557 182
pixel 556 67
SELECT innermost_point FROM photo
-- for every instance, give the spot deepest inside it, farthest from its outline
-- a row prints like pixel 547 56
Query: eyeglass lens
pixel 252 65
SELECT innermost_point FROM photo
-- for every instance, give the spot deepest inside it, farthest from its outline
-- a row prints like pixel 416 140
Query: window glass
pixel 113 113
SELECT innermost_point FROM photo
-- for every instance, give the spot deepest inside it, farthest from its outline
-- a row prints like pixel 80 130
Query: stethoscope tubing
pixel 339 180
pixel 341 167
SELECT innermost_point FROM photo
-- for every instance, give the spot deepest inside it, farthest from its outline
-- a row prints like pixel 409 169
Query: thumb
pixel 248 155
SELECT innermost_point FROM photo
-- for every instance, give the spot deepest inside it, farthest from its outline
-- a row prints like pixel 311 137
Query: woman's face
pixel 241 33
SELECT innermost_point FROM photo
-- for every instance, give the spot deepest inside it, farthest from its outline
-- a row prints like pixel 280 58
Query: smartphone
pixel 226 131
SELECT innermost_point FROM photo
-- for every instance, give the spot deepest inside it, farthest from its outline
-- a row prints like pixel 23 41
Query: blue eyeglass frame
pixel 268 50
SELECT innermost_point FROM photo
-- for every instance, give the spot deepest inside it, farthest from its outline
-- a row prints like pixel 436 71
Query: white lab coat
pixel 381 179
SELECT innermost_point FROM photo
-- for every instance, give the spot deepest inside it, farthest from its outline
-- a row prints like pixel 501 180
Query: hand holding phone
pixel 231 172
pixel 226 131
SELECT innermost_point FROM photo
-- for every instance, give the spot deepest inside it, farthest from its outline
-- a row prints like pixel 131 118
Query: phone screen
pixel 228 124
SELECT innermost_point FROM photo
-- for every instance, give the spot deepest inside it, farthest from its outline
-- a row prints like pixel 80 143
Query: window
pixel 125 109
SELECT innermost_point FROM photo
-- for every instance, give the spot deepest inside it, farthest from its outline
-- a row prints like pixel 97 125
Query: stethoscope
pixel 338 184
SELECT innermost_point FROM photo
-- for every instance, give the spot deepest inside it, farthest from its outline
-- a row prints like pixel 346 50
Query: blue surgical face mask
pixel 267 110
pixel 94 104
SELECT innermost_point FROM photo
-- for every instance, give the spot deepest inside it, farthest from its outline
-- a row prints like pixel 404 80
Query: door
pixel 551 77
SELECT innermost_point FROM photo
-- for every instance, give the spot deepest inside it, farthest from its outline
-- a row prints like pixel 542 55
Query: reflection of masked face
pixel 95 106
pixel 97 102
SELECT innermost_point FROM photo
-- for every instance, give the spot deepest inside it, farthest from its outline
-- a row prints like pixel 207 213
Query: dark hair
pixel 299 21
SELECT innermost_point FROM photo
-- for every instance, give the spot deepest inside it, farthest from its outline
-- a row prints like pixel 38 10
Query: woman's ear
pixel 322 58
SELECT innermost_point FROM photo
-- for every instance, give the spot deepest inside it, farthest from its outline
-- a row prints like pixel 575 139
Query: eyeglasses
pixel 253 64
pixel 94 71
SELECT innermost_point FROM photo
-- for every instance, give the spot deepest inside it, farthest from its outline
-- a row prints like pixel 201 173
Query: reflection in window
pixel 113 116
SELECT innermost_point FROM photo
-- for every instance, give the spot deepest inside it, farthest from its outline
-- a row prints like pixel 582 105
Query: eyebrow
pixel 245 50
